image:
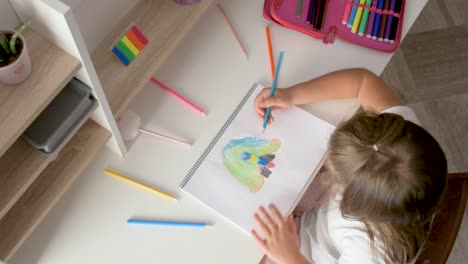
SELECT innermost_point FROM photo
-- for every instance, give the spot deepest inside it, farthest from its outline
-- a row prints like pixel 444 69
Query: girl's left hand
pixel 280 243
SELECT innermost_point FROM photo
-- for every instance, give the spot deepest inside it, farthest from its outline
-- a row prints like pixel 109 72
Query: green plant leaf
pixel 4 43
pixel 15 36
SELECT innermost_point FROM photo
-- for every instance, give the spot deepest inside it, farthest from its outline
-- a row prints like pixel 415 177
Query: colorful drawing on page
pixel 250 160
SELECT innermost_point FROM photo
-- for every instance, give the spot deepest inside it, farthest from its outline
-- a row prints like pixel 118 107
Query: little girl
pixel 387 173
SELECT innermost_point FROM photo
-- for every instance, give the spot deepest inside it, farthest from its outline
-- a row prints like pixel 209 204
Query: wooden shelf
pixel 49 186
pixel 164 23
pixel 19 167
pixel 52 69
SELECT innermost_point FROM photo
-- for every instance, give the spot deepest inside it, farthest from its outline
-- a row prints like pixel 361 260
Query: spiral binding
pixel 217 137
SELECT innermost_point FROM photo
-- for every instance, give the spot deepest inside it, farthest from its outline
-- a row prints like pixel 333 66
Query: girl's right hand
pixel 280 100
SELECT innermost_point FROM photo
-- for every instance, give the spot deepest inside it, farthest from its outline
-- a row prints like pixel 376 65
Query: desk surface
pixel 89 224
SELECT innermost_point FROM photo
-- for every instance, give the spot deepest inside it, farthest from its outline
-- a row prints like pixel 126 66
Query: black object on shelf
pixel 60 117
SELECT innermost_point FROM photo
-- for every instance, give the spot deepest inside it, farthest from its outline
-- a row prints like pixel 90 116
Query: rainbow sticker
pixel 130 45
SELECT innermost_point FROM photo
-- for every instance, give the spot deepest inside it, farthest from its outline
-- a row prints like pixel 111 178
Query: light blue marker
pixel 165 223
pixel 352 15
pixel 273 88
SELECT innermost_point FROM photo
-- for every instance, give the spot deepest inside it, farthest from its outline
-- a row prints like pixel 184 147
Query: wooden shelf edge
pixel 52 69
pixel 165 24
pixel 27 163
pixel 19 167
pixel 50 185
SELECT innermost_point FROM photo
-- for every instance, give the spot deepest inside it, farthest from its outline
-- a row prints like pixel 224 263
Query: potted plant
pixel 15 65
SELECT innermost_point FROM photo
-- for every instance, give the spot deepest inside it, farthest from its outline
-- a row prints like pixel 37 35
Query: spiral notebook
pixel 242 168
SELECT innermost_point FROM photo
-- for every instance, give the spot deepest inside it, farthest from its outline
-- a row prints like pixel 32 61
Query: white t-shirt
pixel 327 237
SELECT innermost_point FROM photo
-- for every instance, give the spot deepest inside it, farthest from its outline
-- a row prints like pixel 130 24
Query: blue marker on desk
pixel 165 223
pixel 378 17
pixel 273 88
pixel 352 15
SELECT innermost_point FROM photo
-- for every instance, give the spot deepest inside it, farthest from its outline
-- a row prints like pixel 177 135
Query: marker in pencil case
pixel 352 14
pixel 370 23
pixel 388 26
pixel 384 21
pixel 365 17
pixel 323 12
pixel 395 21
pixel 358 17
pixel 317 14
pixel 378 17
pixel 299 8
pixel 279 3
pixel 346 13
pixel 310 11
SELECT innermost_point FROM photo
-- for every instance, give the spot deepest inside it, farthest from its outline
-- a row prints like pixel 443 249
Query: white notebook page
pixel 304 140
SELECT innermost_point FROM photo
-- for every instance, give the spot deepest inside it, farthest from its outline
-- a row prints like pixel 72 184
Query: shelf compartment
pixel 20 221
pixel 19 167
pixel 164 23
pixel 52 69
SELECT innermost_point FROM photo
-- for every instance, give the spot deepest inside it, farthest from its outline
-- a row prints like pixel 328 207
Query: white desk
pixel 88 224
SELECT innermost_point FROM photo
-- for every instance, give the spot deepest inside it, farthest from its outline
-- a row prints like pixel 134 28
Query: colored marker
pixel 365 17
pixel 370 23
pixel 353 14
pixel 322 12
pixel 395 21
pixel 273 88
pixel 357 19
pixel 127 179
pixel 121 56
pixel 126 51
pixel 384 21
pixel 139 35
pixel 178 96
pixel 311 11
pixel 231 27
pixel 270 51
pixel 135 40
pixel 316 15
pixel 279 3
pixel 378 17
pixel 389 22
pixel 166 223
pixel 130 46
pixel 347 10
pixel 299 8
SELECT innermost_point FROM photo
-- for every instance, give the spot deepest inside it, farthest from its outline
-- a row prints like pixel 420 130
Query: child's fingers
pixel 267 219
pixel 265 93
pixel 262 225
pixel 278 216
pixel 292 225
pixel 261 242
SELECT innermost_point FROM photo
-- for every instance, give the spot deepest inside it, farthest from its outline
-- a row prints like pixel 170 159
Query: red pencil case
pixel 284 13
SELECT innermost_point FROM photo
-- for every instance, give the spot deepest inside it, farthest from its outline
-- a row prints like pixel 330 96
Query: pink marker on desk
pixel 178 96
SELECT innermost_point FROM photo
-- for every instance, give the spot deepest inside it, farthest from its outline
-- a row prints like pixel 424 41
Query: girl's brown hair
pixel 393 174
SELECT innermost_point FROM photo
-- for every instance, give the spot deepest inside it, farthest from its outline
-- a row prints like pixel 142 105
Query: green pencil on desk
pixel 273 88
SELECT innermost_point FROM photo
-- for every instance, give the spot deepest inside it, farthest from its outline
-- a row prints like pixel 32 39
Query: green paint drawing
pixel 250 160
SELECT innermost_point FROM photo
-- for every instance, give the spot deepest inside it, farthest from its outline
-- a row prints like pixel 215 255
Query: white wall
pixel 96 18
pixel 8 18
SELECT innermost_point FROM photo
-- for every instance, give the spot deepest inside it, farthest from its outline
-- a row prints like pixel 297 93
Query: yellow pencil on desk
pixel 125 178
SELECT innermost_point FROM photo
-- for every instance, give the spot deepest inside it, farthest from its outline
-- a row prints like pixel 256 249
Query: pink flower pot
pixel 20 69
